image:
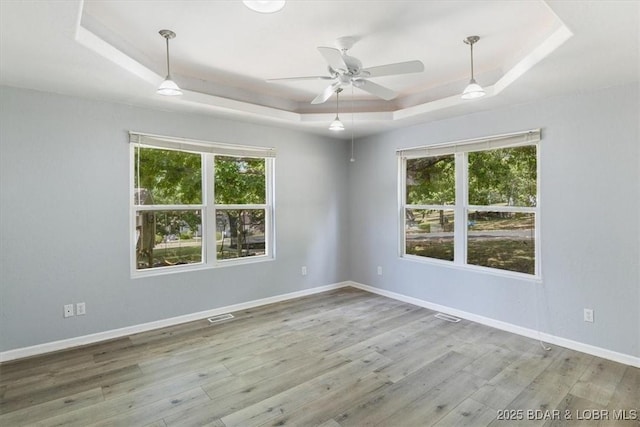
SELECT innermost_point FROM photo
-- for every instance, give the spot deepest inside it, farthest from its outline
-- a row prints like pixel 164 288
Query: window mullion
pixel 460 229
pixel 241 207
pixel 209 220
pixel 142 208
pixel 269 244
pixel 402 211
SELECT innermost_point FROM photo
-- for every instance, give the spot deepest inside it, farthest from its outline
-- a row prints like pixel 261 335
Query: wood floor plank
pixel 52 408
pixel 548 389
pixel 160 408
pixel 53 362
pixel 288 401
pixel 625 401
pixel 436 403
pixel 599 382
pixel 469 413
pixel 501 389
pixel 335 359
pixel 77 385
pixel 284 373
pixel 393 398
pixel 422 354
pixel 128 402
pixel 332 402
pixel 492 363
pixel 229 396
pixel 185 379
pixel 570 412
pixel 627 394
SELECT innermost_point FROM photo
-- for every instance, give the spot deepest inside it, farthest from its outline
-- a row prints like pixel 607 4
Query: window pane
pixel 165 238
pixel 429 233
pixel 164 177
pixel 240 181
pixel 431 181
pixel 503 240
pixel 505 177
pixel 240 233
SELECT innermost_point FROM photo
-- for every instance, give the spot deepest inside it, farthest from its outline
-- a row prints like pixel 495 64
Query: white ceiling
pixel 224 52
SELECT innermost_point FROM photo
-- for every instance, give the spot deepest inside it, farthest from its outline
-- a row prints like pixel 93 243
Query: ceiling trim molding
pixel 92 41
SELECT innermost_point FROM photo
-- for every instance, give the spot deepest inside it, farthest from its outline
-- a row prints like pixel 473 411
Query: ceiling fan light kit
pixel 336 125
pixel 265 6
pixel 168 87
pixel 473 89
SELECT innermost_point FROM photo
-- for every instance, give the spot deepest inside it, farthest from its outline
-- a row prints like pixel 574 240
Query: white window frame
pixel 208 152
pixel 461 208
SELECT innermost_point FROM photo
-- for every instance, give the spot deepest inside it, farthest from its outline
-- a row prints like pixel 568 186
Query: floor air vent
pixel 447 318
pixel 220 318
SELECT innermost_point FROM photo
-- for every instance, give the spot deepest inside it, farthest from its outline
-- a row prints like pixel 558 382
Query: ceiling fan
pixel 346 70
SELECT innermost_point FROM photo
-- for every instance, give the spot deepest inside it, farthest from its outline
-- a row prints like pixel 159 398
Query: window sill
pixel 163 271
pixel 473 268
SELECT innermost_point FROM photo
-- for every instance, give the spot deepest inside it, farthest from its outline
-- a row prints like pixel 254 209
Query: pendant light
pixel 264 6
pixel 473 89
pixel 336 125
pixel 168 87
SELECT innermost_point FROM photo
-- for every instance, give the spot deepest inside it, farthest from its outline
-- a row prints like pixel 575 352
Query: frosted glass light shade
pixel 336 125
pixel 168 88
pixel 473 91
pixel 264 6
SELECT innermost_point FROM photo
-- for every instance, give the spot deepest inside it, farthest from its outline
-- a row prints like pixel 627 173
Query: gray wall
pixel 64 218
pixel 590 216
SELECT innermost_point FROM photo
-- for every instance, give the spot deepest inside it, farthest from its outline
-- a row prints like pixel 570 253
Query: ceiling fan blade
pixel 301 78
pixel 375 89
pixel 326 94
pixel 392 69
pixel 334 58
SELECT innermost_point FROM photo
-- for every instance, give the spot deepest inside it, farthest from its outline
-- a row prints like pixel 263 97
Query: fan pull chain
pixel 352 159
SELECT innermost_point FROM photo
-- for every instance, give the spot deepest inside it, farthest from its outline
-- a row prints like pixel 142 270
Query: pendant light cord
pixel 168 69
pixel 471 44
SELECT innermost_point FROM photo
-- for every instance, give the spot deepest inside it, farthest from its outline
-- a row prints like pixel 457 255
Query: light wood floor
pixel 341 358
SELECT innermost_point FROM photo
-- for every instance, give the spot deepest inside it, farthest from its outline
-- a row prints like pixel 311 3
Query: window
pixel 472 203
pixel 198 204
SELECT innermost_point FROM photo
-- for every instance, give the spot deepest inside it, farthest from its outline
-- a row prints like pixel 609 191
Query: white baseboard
pixel 35 350
pixel 118 333
pixel 509 327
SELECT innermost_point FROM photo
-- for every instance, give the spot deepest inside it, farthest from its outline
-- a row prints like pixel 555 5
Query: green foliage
pixel 431 181
pixel 506 176
pixel 168 177
pixel 240 180
pixel 171 177
pixel 504 254
pixel 177 256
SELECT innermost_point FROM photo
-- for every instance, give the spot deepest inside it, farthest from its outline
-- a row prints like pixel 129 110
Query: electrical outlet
pixel 68 310
pixel 379 270
pixel 81 309
pixel 588 315
pixel 304 270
